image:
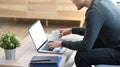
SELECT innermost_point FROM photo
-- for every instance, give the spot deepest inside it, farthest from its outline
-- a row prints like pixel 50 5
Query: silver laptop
pixel 40 39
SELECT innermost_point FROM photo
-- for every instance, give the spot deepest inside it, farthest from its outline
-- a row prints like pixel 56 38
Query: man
pixel 101 42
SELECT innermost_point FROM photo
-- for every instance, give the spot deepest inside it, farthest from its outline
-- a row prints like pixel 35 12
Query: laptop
pixel 40 39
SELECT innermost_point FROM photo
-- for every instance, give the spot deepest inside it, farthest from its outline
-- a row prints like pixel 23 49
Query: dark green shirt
pixel 103 21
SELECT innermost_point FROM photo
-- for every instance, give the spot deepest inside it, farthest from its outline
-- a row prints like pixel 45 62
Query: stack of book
pixel 45 61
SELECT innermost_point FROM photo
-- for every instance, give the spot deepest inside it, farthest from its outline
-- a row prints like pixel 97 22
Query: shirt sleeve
pixel 94 24
pixel 79 31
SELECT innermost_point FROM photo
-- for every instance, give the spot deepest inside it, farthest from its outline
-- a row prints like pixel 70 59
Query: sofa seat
pixel 107 66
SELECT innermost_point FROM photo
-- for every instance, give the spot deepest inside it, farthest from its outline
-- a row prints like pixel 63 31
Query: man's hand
pixel 54 44
pixel 64 32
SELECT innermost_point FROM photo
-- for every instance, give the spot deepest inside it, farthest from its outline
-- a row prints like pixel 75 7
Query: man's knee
pixel 80 58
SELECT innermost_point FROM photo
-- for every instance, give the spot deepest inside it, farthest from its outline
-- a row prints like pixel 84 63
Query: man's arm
pixel 79 31
pixel 94 23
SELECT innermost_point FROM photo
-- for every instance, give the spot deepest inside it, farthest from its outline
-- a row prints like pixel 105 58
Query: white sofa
pixel 107 66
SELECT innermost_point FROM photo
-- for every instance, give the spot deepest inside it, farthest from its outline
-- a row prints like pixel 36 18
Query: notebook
pixel 40 39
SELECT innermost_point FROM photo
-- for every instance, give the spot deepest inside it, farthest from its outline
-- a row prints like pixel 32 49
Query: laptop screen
pixel 37 34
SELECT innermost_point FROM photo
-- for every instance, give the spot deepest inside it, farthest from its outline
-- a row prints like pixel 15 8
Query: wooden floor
pixel 21 25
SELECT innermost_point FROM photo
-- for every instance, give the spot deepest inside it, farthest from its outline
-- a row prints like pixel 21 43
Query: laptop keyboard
pixel 51 49
pixel 46 48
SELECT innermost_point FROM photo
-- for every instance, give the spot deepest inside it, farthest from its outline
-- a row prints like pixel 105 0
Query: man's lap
pixel 100 56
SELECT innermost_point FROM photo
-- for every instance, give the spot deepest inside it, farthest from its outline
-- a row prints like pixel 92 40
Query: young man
pixel 101 42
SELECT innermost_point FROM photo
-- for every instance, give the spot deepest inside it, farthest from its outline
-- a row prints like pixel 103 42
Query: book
pixel 45 61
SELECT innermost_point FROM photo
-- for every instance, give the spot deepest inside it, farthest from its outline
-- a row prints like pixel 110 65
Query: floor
pixel 21 25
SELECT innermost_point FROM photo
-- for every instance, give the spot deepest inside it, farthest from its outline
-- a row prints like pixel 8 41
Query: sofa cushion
pixel 107 66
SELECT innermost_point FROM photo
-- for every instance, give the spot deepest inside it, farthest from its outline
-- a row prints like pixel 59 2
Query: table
pixel 25 53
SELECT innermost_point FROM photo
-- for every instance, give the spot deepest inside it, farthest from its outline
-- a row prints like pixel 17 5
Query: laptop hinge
pixel 42 44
